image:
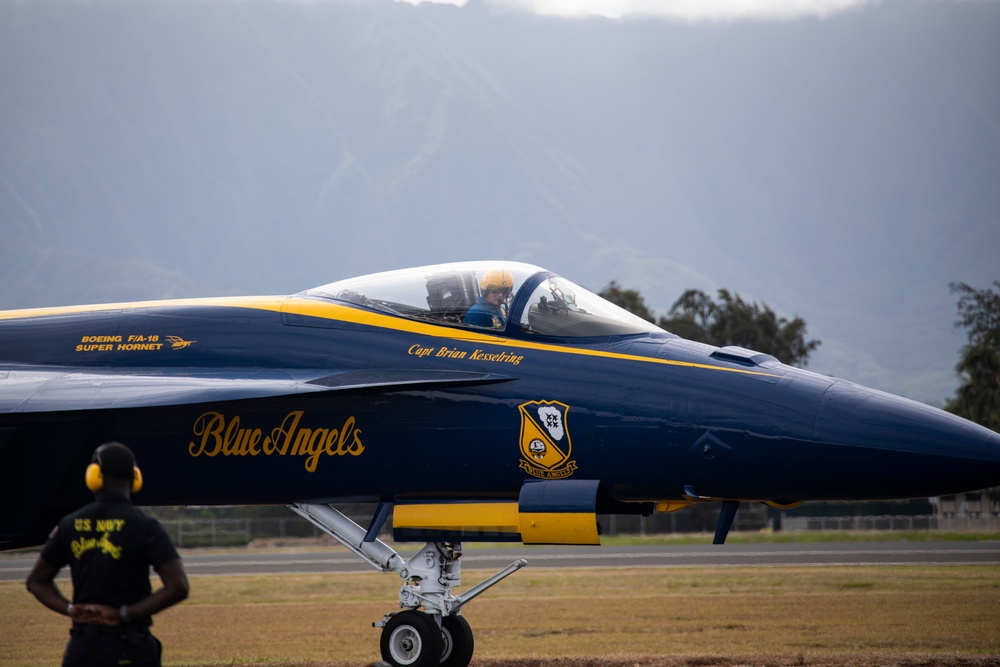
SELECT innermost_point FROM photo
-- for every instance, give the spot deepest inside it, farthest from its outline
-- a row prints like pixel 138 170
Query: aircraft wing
pixel 24 390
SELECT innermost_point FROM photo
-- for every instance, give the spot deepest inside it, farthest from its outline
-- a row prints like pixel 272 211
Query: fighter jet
pixel 488 400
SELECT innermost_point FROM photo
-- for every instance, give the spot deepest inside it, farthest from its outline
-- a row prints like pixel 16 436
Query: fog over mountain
pixel 843 168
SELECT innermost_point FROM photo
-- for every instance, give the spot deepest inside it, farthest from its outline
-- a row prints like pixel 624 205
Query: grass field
pixel 620 617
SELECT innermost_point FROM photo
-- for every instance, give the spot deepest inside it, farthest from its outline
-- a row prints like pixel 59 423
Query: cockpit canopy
pixel 540 303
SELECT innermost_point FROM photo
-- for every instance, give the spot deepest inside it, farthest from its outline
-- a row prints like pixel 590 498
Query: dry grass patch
pixel 544 618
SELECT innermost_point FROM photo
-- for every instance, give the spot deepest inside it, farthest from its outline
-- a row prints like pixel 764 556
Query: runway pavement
pixel 203 562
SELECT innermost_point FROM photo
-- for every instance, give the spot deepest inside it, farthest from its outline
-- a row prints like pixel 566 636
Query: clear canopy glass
pixel 456 294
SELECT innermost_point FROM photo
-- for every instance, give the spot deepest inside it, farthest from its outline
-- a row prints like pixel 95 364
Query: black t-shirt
pixel 109 546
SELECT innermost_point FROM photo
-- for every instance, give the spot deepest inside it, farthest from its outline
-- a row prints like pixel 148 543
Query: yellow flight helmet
pixel 497 280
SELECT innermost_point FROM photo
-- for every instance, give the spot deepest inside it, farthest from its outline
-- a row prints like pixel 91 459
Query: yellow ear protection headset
pixel 95 478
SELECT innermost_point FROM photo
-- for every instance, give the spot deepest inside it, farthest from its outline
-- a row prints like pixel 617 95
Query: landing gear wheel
pixel 411 639
pixel 458 642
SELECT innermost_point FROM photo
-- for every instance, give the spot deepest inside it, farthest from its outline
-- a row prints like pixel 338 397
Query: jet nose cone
pixel 917 450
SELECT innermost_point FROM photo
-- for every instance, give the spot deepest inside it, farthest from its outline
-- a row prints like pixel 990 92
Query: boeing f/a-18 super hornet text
pixel 472 401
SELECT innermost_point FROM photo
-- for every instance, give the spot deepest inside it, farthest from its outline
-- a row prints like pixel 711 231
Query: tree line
pixel 729 320
pixel 978 396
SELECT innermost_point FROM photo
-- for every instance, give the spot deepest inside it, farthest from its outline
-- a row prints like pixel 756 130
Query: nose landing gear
pixel 436 636
pixel 412 639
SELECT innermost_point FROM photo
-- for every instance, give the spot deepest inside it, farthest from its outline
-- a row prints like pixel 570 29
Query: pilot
pixel 490 310
pixel 109 546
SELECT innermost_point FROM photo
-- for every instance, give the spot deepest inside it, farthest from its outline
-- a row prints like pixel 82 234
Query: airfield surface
pixel 800 605
pixel 335 559
pixel 840 660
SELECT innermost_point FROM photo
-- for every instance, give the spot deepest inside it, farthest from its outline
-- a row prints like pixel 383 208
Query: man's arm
pixel 41 582
pixel 175 589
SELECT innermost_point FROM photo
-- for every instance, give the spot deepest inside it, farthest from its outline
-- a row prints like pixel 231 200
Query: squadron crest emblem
pixel 545 442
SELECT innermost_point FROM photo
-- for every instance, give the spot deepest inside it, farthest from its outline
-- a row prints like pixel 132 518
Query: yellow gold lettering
pixel 215 434
pixel 344 433
pixel 252 448
pixel 209 426
pixel 349 430
pixel 82 546
pixel 110 525
pixel 232 442
pixel 318 436
pixel 85 544
pixel 246 437
pixel 284 432
pixel 332 443
pixel 107 547
pixel 356 447
pixel 137 347
pixel 451 352
pixel 315 448
pixel 301 445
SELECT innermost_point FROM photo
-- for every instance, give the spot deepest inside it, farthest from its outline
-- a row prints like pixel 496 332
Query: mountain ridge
pixel 839 169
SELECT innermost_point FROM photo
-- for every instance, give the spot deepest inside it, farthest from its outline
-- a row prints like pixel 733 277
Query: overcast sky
pixel 684 10
pixel 836 159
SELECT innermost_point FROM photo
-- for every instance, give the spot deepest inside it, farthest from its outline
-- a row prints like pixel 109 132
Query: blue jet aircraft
pixel 473 401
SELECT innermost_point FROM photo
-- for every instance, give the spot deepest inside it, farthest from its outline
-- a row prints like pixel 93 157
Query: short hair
pixel 116 461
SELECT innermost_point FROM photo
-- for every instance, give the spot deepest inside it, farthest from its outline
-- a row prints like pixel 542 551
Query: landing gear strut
pixel 438 635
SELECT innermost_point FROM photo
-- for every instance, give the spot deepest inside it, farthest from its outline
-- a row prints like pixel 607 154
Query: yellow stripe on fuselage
pixel 324 310
pixel 348 314
pixel 559 528
pixel 500 517
pixel 255 302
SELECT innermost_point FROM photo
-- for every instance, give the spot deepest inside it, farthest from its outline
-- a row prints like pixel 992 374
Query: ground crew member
pixel 109 546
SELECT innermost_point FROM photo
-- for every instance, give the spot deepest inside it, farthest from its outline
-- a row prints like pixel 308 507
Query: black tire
pixel 411 639
pixel 458 642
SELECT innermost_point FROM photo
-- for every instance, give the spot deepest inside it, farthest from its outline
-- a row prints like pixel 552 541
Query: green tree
pixel 728 321
pixel 629 299
pixel 732 321
pixel 978 395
